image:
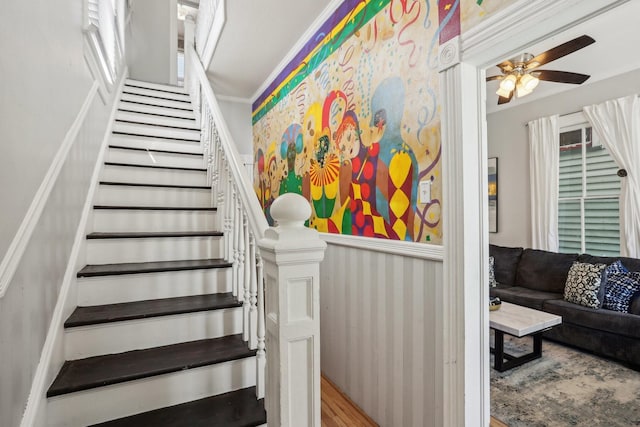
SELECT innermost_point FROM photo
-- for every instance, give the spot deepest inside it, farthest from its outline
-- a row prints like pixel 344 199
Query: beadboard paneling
pixel 378 332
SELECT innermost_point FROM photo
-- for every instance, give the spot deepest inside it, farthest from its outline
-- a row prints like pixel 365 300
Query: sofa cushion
pixel 524 296
pixel 620 289
pixel 505 263
pixel 632 264
pixel 634 306
pixel 583 284
pixel 544 271
pixel 604 320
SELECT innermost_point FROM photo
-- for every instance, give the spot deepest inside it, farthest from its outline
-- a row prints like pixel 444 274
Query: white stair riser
pixel 154 92
pixel 156 144
pixel 157 131
pixel 142 220
pixel 154 158
pixel 124 195
pixel 111 251
pixel 133 397
pixel 158 120
pixel 118 337
pixel 156 86
pixel 156 102
pixel 145 286
pixel 151 109
pixel 141 175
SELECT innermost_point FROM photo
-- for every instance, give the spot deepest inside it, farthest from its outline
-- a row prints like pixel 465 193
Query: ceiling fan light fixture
pixel 529 82
pixel 508 83
pixel 521 90
pixel 503 92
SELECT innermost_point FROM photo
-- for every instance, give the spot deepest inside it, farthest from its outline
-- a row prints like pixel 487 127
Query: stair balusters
pixel 253 279
pixel 260 355
pixel 245 253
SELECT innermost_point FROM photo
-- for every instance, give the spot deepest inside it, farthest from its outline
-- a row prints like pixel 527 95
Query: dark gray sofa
pixel 536 279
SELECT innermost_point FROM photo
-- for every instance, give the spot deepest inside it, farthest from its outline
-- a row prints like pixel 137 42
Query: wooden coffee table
pixel 518 321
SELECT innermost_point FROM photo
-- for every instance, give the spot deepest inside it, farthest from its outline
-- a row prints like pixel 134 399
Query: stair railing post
pixel 214 166
pixel 245 261
pixel 292 255
pixel 189 38
pixel 220 206
pixel 253 298
pixel 261 360
pixel 239 250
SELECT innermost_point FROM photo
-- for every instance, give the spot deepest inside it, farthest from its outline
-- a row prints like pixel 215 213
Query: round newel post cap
pixel 290 210
pixel 190 18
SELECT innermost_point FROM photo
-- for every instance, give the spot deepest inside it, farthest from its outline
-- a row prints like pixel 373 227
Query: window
pixel 104 38
pixel 589 190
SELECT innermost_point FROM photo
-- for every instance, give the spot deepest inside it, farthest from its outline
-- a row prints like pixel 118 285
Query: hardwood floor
pixel 339 411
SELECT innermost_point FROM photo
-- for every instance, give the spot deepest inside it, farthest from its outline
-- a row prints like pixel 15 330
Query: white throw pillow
pixel 583 283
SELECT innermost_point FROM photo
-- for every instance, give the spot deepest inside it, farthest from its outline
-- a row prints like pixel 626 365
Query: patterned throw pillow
pixel 583 284
pixel 620 289
pixel 492 273
pixel 616 267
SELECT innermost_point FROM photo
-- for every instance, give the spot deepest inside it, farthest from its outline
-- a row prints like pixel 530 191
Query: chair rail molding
pixel 19 243
pixel 463 333
pixel 394 247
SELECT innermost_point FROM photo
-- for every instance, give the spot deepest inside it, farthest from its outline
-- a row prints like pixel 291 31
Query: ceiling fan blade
pixel 561 76
pixel 504 100
pixel 560 51
pixel 494 78
pixel 506 66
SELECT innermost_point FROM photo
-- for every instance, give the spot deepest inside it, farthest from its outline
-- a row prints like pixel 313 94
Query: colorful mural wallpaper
pixel 475 11
pixel 353 121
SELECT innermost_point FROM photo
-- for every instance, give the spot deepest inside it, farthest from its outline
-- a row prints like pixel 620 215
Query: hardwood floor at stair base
pixel 155 174
pixel 154 158
pixel 112 251
pixel 140 287
pixel 148 220
pixel 120 400
pixel 118 337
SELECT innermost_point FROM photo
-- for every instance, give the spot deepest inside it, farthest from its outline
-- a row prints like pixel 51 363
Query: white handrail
pixel 257 220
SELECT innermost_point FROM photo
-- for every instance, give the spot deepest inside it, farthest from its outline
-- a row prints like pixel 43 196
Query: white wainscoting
pixel 378 332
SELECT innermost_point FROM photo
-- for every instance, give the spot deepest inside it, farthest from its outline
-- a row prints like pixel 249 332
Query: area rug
pixel 566 387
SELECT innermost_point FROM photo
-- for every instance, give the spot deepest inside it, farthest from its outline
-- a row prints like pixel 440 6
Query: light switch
pixel 425 191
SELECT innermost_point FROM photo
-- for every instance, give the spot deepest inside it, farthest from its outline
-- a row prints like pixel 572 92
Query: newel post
pixel 292 255
pixel 189 38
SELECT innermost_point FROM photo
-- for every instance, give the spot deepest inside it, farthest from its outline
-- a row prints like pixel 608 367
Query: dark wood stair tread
pixel 154 105
pixel 179 90
pixel 151 267
pixel 139 135
pixel 140 184
pixel 98 371
pixel 158 125
pixel 156 114
pixel 164 98
pixel 108 313
pixel 238 408
pixel 154 150
pixel 152 234
pixel 155 208
pixel 132 165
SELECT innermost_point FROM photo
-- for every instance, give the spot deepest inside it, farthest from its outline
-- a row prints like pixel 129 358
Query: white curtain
pixel 617 122
pixel 544 160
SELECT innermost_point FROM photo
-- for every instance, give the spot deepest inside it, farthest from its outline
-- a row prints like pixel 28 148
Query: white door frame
pixel 463 338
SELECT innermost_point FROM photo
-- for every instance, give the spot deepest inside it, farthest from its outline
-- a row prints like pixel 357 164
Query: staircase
pixel 157 337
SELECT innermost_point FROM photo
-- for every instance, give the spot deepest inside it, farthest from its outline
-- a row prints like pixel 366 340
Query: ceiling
pixel 614 52
pixel 256 36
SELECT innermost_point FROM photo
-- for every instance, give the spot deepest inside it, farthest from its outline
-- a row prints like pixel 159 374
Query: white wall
pixel 238 118
pixel 45 81
pixel 508 140
pixel 151 49
pixel 378 330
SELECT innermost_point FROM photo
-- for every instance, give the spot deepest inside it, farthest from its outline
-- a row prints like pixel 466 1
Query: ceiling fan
pixel 520 75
